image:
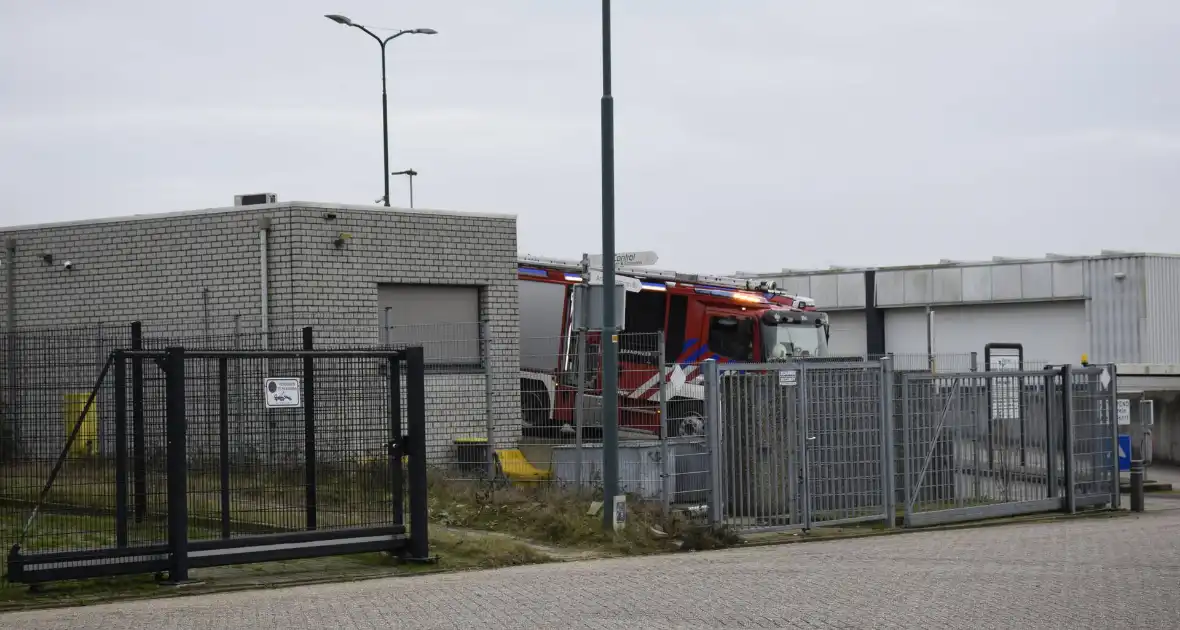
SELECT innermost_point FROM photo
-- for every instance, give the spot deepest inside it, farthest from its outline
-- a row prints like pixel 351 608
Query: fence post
pixel 238 396
pixel 1067 433
pixel 223 441
pixel 713 432
pixel 309 448
pixel 974 361
pixel 1112 417
pixel 396 444
pixel 907 478
pixel 177 454
pixel 667 466
pixel 121 499
pixel 416 445
pixel 804 444
pixel 488 396
pixel 1050 438
pixel 9 421
pixel 138 437
pixel 580 412
pixel 889 482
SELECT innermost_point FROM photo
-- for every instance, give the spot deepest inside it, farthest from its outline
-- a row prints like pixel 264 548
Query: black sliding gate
pixel 228 457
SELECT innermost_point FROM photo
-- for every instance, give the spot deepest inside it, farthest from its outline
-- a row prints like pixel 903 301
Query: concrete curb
pixel 799 537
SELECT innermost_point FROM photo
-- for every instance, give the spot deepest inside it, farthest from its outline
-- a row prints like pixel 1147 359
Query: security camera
pixel 68 265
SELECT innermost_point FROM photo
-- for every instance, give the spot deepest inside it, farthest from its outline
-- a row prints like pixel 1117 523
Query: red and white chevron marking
pixel 650 390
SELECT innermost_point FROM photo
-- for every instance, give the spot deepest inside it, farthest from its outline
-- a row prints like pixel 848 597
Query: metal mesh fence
pixel 802 444
pixel 254 468
pixel 53 383
pixel 810 449
pixel 978 439
pixel 846 432
pixel 48 379
pixel 1094 432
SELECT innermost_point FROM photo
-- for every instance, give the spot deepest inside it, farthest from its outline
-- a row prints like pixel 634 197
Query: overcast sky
pixel 751 134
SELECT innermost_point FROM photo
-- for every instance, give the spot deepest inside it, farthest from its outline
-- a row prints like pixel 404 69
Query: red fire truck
pixel 700 317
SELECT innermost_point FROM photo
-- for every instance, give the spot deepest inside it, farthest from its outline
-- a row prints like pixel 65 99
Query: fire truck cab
pixel 700 317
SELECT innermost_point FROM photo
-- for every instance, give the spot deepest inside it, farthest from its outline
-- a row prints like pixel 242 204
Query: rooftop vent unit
pixel 254 199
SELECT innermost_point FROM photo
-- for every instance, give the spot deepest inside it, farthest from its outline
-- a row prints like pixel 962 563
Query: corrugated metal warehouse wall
pixel 1161 335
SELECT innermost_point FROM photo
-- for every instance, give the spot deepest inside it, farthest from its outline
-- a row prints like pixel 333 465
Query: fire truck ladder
pixel 666 275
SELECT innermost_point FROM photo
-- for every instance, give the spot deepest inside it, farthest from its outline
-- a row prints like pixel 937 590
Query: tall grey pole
pixel 610 351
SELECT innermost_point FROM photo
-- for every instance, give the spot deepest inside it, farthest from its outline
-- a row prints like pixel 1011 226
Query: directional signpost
pixel 627 259
pixel 633 285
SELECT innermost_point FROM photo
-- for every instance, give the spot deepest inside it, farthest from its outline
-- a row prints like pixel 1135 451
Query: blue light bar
pixel 711 291
pixel 533 272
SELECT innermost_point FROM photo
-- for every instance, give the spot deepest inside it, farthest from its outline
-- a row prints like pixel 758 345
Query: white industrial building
pixel 1116 307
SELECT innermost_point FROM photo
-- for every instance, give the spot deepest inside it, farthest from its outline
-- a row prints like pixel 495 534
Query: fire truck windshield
pixel 793 340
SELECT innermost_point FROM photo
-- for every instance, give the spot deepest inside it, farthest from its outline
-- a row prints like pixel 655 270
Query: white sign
pixel 282 392
pixel 1005 392
pixel 1004 362
pixel 633 285
pixel 787 378
pixel 619 512
pixel 1124 411
pixel 627 259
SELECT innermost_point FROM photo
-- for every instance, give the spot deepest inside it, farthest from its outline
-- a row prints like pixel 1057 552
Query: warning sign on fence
pixel 282 392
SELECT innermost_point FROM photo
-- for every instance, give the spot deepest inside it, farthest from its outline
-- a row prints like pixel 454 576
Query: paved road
pixel 1109 573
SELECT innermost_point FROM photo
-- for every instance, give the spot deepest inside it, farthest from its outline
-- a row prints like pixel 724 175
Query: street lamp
pixel 411 174
pixel 343 20
pixel 610 353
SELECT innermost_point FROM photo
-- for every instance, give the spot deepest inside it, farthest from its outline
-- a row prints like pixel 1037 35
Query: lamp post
pixel 411 174
pixel 340 19
pixel 610 350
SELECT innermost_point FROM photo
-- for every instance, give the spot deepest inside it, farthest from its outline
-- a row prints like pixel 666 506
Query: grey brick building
pixel 358 275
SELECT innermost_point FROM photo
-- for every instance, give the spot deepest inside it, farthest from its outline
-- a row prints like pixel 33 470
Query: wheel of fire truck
pixel 686 417
pixel 534 404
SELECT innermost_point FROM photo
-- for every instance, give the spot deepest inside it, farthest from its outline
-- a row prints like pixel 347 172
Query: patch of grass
pixel 549 513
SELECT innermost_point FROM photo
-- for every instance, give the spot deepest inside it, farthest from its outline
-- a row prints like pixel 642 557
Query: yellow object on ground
pixel 86 441
pixel 517 468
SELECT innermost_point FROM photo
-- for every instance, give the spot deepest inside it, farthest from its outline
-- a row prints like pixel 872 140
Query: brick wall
pixel 185 272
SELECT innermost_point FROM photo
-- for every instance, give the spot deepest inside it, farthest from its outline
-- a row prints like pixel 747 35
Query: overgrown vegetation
pixel 553 514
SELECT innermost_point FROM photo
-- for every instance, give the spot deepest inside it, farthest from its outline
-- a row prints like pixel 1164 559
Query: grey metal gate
pixel 990 444
pixel 798 445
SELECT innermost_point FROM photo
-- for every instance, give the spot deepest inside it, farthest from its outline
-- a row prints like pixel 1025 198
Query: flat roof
pixel 283 205
pixel 947 263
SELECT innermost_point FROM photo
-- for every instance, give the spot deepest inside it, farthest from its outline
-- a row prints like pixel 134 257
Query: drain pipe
pixel 264 273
